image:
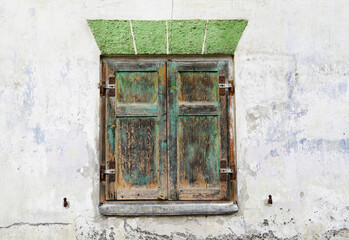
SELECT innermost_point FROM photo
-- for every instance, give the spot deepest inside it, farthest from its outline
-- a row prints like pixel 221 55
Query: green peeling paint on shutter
pixel 136 143
pixel 166 130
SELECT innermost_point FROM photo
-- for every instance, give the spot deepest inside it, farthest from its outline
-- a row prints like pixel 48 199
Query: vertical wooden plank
pixel 224 129
pixel 198 138
pixel 110 133
pixel 102 187
pixel 140 134
pixel 232 145
pixel 162 118
pixel 172 118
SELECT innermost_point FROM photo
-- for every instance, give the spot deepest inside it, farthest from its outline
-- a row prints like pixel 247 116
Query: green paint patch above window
pixel 150 37
pixel 186 36
pixel 112 37
pixel 179 37
pixel 223 36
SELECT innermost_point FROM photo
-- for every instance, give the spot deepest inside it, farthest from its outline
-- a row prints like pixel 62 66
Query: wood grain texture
pixel 224 130
pixel 166 131
pixel 140 148
pixel 198 151
pixel 137 157
pixel 198 109
pixel 102 187
pixel 198 131
pixel 197 87
pixel 110 137
pixel 136 87
pixel 172 118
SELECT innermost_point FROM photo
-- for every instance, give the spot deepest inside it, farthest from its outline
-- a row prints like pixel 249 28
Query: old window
pixel 166 146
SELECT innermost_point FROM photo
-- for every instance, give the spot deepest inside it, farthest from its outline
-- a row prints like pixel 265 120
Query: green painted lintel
pixel 115 37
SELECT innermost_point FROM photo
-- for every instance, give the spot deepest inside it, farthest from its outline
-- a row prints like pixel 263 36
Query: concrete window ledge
pixel 167 208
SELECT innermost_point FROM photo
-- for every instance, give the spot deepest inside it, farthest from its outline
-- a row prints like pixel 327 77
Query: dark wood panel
pixel 198 152
pixel 137 153
pixel 136 87
pixel 198 87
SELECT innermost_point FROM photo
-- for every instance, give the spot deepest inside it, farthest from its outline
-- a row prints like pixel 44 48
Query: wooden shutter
pixel 136 130
pixel 198 131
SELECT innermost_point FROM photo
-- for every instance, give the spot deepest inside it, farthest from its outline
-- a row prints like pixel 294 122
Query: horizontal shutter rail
pixel 210 110
pixel 197 66
pixel 136 110
pixel 136 67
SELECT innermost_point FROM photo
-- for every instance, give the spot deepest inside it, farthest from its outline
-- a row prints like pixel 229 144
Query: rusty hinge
pixel 111 86
pixel 222 85
pixel 224 171
pixel 104 172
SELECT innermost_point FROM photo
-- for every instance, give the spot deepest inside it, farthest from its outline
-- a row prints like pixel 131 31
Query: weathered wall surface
pixel 291 72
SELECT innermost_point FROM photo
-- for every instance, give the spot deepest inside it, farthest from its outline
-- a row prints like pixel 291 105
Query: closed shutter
pixel 198 131
pixel 135 133
pixel 166 130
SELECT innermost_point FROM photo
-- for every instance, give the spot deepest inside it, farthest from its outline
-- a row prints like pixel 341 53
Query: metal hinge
pixel 227 170
pixel 103 86
pixel 225 85
pixel 104 172
pixel 108 86
pixel 109 171
pixel 222 85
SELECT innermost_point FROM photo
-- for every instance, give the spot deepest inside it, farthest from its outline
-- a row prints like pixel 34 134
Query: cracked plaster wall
pixel 291 72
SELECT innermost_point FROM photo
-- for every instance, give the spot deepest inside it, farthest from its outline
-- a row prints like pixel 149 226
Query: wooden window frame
pixel 168 207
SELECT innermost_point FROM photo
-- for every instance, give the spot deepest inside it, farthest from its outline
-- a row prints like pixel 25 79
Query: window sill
pixel 167 208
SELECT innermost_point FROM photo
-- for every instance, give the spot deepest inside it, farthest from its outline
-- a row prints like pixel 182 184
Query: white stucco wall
pixel 292 76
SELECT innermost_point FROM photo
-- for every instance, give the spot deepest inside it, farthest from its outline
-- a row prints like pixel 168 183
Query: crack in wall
pixel 34 224
pixel 138 233
pixel 128 231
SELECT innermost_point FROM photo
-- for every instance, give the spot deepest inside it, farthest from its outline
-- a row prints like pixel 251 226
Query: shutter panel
pixel 136 140
pixel 198 131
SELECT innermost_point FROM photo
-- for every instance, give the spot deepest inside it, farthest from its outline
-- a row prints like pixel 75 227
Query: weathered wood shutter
pixel 135 133
pixel 198 131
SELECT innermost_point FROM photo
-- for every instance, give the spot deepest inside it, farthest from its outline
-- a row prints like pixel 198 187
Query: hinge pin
pixel 227 170
pixel 109 171
pixel 108 86
pixel 225 85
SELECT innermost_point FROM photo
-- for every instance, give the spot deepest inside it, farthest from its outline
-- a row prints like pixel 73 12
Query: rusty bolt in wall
pixel 270 200
pixel 65 202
